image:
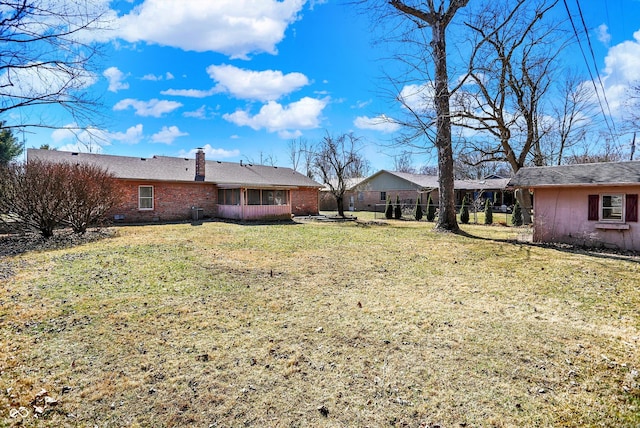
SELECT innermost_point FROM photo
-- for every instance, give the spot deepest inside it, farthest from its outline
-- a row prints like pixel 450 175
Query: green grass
pixel 384 323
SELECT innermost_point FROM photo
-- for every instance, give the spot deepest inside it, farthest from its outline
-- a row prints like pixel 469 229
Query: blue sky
pixel 242 78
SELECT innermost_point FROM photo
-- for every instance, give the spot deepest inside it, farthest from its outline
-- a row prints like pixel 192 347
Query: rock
pixel 50 401
pixel 323 411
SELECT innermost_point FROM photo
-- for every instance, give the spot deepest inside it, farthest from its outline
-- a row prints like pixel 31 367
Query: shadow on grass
pixel 603 253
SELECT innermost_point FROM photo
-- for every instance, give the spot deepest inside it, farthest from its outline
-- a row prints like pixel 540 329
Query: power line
pixel 610 126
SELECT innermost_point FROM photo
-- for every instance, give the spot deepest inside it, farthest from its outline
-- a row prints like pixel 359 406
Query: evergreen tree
pixel 431 209
pixel 10 148
pixel 516 216
pixel 388 210
pixel 418 213
pixel 398 209
pixel 464 212
pixel 488 212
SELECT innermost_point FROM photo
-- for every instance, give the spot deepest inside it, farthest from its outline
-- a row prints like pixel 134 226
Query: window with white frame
pixel 145 197
pixel 611 209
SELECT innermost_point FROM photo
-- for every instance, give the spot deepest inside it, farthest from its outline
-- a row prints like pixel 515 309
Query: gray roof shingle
pixel 611 173
pixel 163 168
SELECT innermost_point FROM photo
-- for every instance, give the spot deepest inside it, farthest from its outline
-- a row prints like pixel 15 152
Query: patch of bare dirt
pixel 15 244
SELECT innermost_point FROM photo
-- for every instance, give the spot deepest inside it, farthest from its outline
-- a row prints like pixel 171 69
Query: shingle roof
pixel 163 168
pixel 611 173
pixel 488 184
pixel 431 181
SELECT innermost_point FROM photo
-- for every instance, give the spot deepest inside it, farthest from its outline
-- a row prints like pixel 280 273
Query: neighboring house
pixel 588 204
pixel 163 188
pixel 477 191
pixel 370 194
pixel 328 201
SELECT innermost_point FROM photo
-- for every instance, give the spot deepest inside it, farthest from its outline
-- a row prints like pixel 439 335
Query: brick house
pixel 163 188
pixel 592 205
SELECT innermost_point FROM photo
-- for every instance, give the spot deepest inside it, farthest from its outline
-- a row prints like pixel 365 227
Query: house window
pixel 228 196
pixel 145 197
pixel 613 208
pixel 267 197
pixel 383 196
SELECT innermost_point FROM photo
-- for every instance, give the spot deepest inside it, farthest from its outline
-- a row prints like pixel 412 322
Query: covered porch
pixel 250 203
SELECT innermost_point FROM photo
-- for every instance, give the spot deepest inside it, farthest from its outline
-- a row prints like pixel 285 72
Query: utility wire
pixel 586 61
pixel 595 64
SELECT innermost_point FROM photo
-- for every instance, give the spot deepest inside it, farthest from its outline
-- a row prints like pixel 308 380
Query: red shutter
pixel 594 205
pixel 631 207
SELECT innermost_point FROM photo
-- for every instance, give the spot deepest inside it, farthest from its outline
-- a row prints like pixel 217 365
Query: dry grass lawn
pixel 319 324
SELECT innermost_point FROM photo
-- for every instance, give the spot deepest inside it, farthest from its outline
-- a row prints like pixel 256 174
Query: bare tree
pixel 404 163
pixel 510 69
pixel 335 161
pixel 571 117
pixel 437 18
pixel 471 166
pixel 596 152
pixel 301 156
pixel 45 61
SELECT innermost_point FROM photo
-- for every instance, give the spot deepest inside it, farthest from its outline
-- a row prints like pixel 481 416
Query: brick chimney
pixel 200 162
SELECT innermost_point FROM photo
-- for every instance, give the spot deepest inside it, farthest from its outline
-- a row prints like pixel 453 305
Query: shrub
pixel 42 196
pixel 34 194
pixel 464 212
pixel 431 209
pixel 397 213
pixel 418 213
pixel 91 193
pixel 388 210
pixel 516 216
pixel 488 212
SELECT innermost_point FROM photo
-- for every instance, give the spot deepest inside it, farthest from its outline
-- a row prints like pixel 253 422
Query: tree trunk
pixel 447 218
pixel 340 204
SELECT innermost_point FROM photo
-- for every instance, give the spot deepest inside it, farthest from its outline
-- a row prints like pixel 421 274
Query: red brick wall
pixel 304 201
pixel 171 201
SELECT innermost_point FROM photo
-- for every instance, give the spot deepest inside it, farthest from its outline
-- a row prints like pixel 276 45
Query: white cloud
pixel 154 78
pixel 235 28
pixel 274 117
pixel 151 77
pixel 116 79
pixel 82 140
pixel 153 108
pixel 380 123
pixel 132 135
pixel 167 135
pixel 211 153
pixel 191 93
pixel 622 69
pixel 267 85
pixel 418 98
pixel 603 34
pixel 361 104
pixel 200 113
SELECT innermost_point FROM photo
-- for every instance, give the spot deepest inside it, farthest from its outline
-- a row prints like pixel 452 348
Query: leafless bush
pixel 42 195
pixel 91 193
